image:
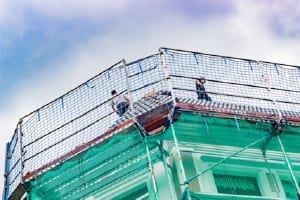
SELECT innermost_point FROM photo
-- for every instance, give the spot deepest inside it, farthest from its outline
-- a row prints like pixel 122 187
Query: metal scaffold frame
pixel 141 133
pixel 170 118
pixel 58 130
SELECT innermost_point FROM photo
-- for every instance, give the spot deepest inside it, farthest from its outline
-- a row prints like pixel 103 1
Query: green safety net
pixel 217 138
pixel 94 169
pixel 194 128
pixel 124 155
pixel 83 113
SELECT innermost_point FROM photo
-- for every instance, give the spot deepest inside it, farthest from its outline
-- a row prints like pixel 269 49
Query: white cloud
pixel 76 8
pixel 4 8
pixel 14 15
pixel 285 17
pixel 11 17
pixel 244 33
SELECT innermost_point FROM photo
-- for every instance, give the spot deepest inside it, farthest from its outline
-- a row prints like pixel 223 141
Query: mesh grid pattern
pixel 145 76
pixel 234 80
pixel 85 112
pixel 13 164
pixel 100 168
pixel 80 115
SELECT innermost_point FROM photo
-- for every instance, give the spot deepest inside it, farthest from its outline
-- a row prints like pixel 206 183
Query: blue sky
pixel 49 47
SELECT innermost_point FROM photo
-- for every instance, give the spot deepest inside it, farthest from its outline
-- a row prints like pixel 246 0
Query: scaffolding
pixel 82 118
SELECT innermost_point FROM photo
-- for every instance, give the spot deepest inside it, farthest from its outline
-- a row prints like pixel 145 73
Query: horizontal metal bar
pixel 237 58
pixel 231 83
pixel 139 60
pixel 63 125
pixel 245 97
pixel 102 72
pixel 69 136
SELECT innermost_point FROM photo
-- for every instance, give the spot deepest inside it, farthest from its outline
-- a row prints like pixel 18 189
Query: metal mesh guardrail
pixel 74 118
pixel 235 80
pixel 58 128
pixel 13 165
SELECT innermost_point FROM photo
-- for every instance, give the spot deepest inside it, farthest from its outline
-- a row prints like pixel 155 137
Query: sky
pixel 49 47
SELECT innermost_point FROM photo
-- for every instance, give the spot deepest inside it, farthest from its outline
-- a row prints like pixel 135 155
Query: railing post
pixel 161 148
pixel 128 89
pixel 20 135
pixel 166 72
pixel 145 139
pixel 266 81
pixel 151 170
pixel 6 170
pixel 289 165
pixel 167 77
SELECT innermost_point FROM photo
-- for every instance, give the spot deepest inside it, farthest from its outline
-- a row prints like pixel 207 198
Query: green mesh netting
pixel 101 163
pixel 124 155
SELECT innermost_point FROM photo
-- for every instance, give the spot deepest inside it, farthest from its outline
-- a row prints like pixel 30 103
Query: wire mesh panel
pixel 146 77
pixel 84 113
pixel 60 129
pixel 12 165
pixel 235 80
pixel 99 169
pixel 235 157
pixel 71 120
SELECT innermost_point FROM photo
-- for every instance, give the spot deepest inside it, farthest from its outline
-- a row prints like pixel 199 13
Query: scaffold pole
pixel 21 149
pixel 151 169
pixel 166 169
pixel 140 131
pixel 289 165
pixel 128 89
pixel 167 77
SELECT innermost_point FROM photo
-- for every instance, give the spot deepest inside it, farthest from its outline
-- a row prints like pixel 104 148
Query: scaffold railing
pixel 58 130
pixel 235 80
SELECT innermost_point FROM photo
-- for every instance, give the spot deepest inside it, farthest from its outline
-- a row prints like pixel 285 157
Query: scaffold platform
pixel 76 146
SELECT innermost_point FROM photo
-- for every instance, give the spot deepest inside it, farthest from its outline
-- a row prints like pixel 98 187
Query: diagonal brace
pixel 223 160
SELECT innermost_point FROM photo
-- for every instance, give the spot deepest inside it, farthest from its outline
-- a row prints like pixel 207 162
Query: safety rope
pixel 213 136
pixel 142 132
pixel 170 118
pixel 223 160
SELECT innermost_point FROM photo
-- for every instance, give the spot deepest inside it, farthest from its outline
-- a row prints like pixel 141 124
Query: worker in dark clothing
pixel 200 89
pixel 119 103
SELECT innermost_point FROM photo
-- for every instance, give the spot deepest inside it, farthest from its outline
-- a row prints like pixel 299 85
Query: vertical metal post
pixel 165 69
pixel 167 171
pixel 289 165
pixel 167 77
pixel 21 149
pixel 151 170
pixel 274 100
pixel 4 194
pixel 128 89
pixel 140 128
pixel 266 81
pixel 153 181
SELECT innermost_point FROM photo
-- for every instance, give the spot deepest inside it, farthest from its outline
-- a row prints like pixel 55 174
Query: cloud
pixel 76 8
pixel 240 34
pixel 68 9
pixel 131 30
pixel 281 18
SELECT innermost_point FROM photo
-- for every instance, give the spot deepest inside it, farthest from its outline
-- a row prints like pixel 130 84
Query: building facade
pixel 242 143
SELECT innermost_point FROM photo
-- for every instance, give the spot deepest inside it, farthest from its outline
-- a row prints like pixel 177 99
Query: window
pixel 289 189
pixel 273 183
pixel 137 193
pixel 240 185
